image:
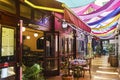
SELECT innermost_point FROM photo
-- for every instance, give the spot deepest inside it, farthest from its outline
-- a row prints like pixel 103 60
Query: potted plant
pixel 98 50
pixel 111 49
pixel 33 73
pixel 113 59
pixel 66 73
pixel 88 56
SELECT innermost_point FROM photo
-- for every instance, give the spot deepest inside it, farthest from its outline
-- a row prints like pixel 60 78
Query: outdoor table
pixel 77 65
pixel 78 62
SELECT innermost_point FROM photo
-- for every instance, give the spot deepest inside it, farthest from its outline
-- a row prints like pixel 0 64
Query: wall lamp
pixel 64 24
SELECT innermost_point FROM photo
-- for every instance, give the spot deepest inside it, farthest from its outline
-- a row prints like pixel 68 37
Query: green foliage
pixel 89 56
pixel 98 49
pixel 111 48
pixel 33 73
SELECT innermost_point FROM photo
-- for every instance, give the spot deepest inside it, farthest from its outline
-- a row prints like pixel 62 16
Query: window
pixel 7 41
pixel 40 43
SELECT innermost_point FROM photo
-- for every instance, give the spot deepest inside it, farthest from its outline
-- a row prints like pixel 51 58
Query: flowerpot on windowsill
pixel 67 77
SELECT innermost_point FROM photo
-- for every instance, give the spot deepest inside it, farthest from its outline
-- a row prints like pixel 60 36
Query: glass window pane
pixel 7 41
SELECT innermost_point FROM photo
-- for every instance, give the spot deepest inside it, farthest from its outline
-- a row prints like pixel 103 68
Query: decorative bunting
pixel 110 23
pixel 113 13
pixel 101 10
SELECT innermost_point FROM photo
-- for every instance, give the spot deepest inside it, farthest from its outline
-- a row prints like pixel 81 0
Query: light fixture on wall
pixel 23 29
pixel 27 37
pixel 64 24
pixel 35 34
pixel 42 38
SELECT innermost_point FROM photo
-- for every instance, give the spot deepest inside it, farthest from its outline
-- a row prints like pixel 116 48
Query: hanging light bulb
pixel 23 29
pixel 28 37
pixel 35 34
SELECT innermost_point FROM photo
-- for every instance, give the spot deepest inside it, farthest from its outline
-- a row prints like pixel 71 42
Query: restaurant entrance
pixel 51 60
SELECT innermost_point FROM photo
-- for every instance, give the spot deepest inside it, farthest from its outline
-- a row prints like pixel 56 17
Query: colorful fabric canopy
pixel 108 24
pixel 113 13
pixel 107 6
pixel 102 31
pixel 82 10
pixel 100 21
pixel 104 26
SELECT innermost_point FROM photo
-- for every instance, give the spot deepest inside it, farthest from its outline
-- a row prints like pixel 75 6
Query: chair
pixel 87 67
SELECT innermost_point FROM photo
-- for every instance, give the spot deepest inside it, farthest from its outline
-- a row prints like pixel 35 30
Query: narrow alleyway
pixel 101 70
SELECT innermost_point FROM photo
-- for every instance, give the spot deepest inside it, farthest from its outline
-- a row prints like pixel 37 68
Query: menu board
pixel 7 41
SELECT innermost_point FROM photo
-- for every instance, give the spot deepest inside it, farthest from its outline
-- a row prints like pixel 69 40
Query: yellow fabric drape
pixel 102 27
pixel 105 34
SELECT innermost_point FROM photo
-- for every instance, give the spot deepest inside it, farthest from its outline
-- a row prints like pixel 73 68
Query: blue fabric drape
pixel 110 15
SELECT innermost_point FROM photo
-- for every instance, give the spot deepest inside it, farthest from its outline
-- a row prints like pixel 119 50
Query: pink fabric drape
pixel 110 5
pixel 81 10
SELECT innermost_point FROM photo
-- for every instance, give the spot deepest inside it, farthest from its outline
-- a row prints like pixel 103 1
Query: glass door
pixel 51 53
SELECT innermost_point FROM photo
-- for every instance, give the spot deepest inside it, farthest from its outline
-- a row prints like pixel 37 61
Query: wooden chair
pixel 87 67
